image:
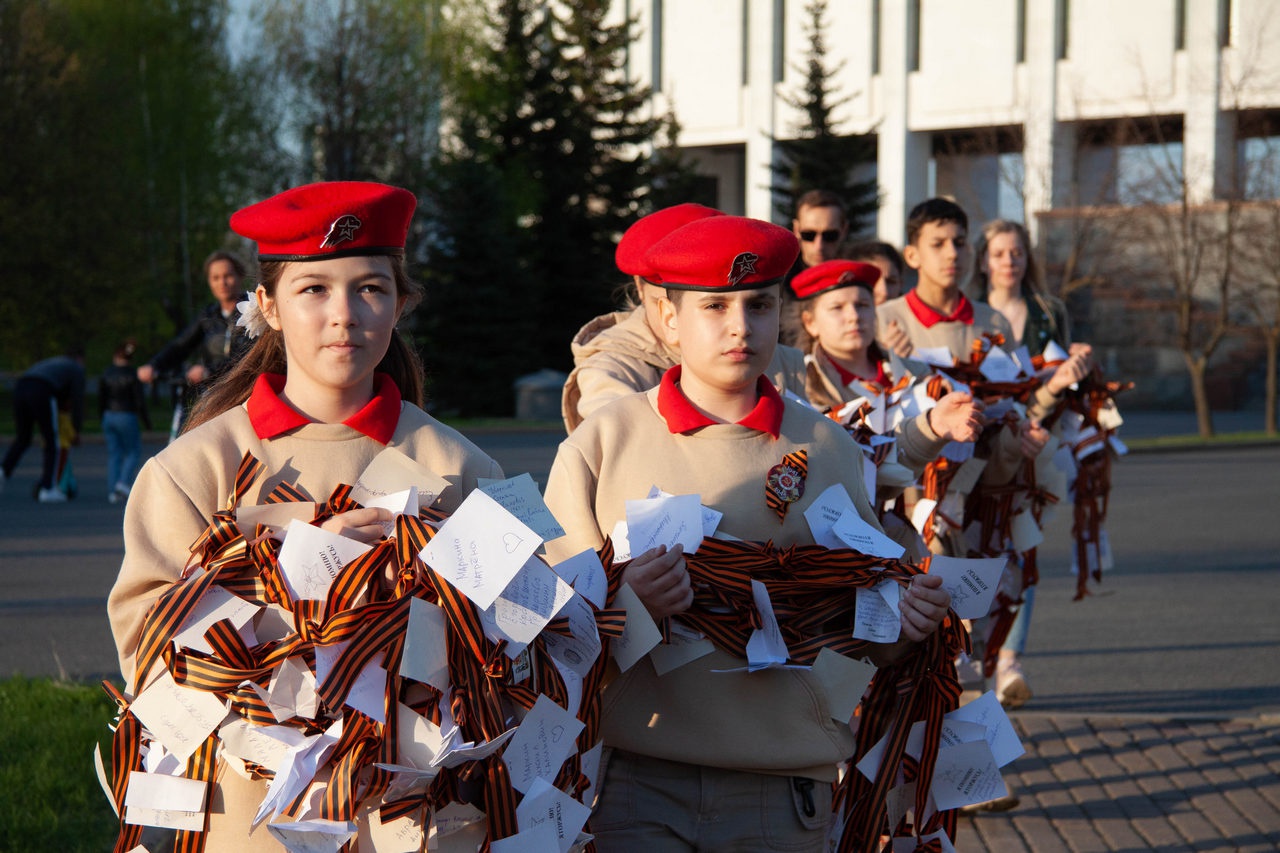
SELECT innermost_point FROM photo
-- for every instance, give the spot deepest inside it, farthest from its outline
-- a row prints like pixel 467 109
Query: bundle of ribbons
pixel 367 613
pixel 813 591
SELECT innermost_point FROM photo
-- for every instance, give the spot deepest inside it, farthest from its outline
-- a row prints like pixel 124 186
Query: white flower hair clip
pixel 251 319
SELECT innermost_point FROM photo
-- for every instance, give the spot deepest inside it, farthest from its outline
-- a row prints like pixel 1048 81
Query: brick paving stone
pixel 989 832
pixel 1042 834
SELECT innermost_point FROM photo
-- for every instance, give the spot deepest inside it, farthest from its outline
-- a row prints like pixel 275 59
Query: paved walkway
pixel 1135 784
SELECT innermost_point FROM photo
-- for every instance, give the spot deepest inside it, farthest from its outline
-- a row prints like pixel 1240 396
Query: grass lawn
pixel 49 794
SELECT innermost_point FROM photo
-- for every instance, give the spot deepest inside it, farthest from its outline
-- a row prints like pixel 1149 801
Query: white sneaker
pixel 1011 685
pixel 121 491
pixel 52 496
pixel 113 498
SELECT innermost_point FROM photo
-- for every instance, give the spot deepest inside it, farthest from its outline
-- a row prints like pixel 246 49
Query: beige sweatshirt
pixel 618 354
pixel 181 487
pixel 776 721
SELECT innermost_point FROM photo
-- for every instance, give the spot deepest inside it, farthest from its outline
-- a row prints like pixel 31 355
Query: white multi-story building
pixel 1012 106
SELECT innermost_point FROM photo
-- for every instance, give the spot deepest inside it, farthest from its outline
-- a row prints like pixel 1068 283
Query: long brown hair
pixel 1032 286
pixel 267 354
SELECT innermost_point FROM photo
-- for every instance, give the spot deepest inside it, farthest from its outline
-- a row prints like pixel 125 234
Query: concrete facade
pixel 1008 105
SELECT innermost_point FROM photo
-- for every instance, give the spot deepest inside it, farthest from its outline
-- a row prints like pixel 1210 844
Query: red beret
pixel 723 253
pixel 648 230
pixel 831 275
pixel 328 220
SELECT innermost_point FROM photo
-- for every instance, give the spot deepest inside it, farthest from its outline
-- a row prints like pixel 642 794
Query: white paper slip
pixel 1022 357
pixel 967 475
pixel 710 517
pixel 480 548
pixel 1053 352
pixel 876 615
pixel 640 634
pixel 392 471
pixel 215 605
pixel 311 558
pixel 297 771
pixel 292 691
pixel 670 521
pixel 264 745
pixel 179 717
pixel 844 679
pixel 546 804
pixel 420 739
pixel 585 573
pixel 167 819
pixel 1001 735
pixel 541 838
pixel 1025 532
pixel 532 598
pixel 682 649
pixel 997 366
pixel 453 818
pixel 938 356
pixel 907 845
pixel 965 775
pixel 313 836
pixel 765 647
pixel 164 793
pixel 426 653
pixel 545 738
pixel 401 835
pixel 398 503
pixel 857 534
pixel 824 512
pixel 971 582
pixel 458 752
pixel 520 497
pixel 621 539
pixel 920 515
pixel 275 517
pixel 579 651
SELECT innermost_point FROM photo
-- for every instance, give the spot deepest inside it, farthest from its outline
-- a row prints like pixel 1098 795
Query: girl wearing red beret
pixel 327 386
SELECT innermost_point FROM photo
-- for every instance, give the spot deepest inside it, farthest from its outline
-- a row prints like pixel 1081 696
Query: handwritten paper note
pixel 971 582
pixel 480 548
pixel 685 646
pixel 585 573
pixel 544 739
pixel 311 558
pixel 546 804
pixel 966 774
pixel 179 717
pixel 997 366
pixel 857 534
pixel 525 606
pixel 876 615
pixel 313 836
pixel 640 634
pixel 392 471
pixel 579 651
pixel 166 801
pixel 824 512
pixel 670 521
pixel 520 497
pixel 1000 733
pixel 710 517
pixel 215 605
pixel 397 503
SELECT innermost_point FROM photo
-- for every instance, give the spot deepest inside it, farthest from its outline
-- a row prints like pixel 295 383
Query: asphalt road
pixel 1185 624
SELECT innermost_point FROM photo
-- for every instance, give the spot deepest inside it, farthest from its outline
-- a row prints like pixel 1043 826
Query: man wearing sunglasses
pixel 820 226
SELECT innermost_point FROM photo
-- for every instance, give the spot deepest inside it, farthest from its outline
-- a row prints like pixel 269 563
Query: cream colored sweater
pixel 775 721
pixel 618 354
pixel 181 487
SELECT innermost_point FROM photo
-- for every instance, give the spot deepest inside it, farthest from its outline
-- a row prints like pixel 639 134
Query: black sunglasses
pixel 829 236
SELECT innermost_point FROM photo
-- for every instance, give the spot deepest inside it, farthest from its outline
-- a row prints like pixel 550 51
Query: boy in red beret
pixel 700 758
pixel 623 352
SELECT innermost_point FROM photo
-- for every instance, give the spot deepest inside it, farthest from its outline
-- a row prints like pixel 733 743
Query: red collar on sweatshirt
pixel 881 378
pixel 929 317
pixel 272 416
pixel 681 416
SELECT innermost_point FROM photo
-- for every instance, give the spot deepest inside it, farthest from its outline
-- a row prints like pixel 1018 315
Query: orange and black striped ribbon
pixel 200 767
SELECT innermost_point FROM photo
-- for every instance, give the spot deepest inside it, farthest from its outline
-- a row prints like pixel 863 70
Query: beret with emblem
pixel 648 230
pixel 723 253
pixel 333 219
pixel 832 275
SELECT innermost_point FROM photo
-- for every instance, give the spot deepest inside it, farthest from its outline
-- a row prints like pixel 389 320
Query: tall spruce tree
pixel 545 117
pixel 819 157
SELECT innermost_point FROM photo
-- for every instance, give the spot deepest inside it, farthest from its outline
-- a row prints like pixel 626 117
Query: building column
pixel 760 107
pixel 1207 143
pixel 1046 148
pixel 902 159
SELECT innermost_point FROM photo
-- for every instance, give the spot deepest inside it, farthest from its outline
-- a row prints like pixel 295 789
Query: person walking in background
pixel 47 387
pixel 122 407
pixel 1005 276
pixel 212 341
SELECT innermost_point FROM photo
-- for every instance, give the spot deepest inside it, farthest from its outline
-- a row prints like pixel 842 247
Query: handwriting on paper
pixel 311 558
pixel 545 738
pixel 520 497
pixel 480 548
